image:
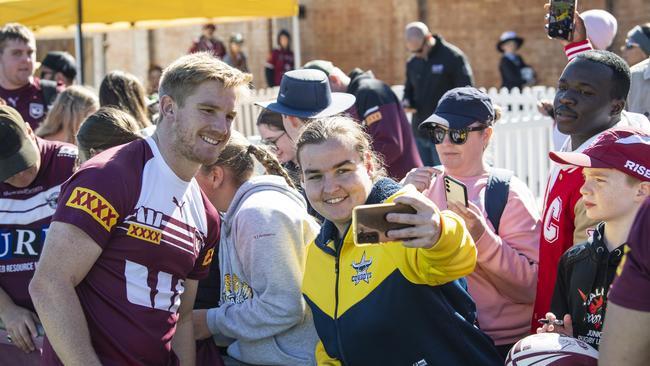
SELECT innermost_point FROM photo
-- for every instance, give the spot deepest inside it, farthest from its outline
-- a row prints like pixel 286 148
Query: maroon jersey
pixel 25 215
pixel 28 101
pixel 632 288
pixel 214 46
pixel 280 61
pixel 155 231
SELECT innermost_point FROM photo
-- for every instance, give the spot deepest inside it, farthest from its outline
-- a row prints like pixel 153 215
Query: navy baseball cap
pixel 307 94
pixel 460 107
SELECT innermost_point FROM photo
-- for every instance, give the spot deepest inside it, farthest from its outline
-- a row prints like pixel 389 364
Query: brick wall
pixel 369 34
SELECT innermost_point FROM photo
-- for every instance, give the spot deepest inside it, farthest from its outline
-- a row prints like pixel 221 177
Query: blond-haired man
pixel 133 233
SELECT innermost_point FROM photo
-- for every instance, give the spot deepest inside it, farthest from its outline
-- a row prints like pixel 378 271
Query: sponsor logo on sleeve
pixel 95 205
pixel 208 257
pixel 372 118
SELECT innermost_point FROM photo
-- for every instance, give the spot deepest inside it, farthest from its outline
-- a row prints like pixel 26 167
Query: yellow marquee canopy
pixel 102 15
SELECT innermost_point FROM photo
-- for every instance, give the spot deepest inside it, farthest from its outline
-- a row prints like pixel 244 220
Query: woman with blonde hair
pixel 70 108
pixel 124 91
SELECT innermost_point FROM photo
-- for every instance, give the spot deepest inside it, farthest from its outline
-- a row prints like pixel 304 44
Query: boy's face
pixel 17 62
pixel 583 103
pixel 607 194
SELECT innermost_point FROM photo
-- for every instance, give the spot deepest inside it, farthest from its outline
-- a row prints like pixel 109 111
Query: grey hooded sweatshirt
pixel 262 317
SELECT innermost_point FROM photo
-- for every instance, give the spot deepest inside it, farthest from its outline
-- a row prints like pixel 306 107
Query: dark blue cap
pixel 307 94
pixel 460 107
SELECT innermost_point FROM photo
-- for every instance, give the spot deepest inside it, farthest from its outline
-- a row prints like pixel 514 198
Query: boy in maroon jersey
pixel 30 96
pixel 32 171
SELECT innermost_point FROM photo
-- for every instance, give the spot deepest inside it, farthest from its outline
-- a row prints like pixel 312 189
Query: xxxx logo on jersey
pixel 144 233
pixel 95 205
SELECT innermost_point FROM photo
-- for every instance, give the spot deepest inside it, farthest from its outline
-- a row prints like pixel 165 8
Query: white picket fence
pixel 521 141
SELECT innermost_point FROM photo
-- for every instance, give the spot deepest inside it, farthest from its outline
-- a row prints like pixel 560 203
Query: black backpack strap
pixel 49 92
pixel 496 195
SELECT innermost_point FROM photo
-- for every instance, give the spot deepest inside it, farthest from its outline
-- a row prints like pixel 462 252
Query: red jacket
pixel 558 227
pixel 279 62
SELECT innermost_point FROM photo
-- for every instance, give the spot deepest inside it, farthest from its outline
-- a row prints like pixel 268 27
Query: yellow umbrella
pixel 41 13
pixel 46 16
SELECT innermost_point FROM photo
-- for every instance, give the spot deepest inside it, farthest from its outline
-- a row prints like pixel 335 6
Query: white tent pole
pixel 295 31
pixel 79 45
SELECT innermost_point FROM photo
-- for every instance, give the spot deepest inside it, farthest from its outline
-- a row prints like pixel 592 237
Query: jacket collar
pixel 597 241
pixel 356 76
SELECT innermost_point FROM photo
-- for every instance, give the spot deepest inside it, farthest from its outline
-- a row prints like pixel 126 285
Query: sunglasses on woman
pixel 457 137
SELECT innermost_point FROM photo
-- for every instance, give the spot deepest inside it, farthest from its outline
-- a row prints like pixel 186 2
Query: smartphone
pixel 455 191
pixel 560 18
pixel 369 224
pixel 546 321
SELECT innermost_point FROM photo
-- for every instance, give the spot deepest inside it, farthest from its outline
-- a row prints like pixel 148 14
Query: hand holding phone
pixel 560 18
pixel 455 191
pixel 369 224
pixel 550 324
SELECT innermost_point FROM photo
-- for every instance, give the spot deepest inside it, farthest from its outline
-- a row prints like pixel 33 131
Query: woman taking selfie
pixel 507 239
pixel 361 296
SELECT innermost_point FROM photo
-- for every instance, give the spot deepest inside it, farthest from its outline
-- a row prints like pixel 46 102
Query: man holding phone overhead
pixel 500 214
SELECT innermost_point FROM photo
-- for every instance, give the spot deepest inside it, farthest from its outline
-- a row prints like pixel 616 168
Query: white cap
pixel 416 30
pixel 601 27
pixel 508 35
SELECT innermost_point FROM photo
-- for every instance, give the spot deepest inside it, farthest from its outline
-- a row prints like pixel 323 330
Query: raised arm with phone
pixel 362 291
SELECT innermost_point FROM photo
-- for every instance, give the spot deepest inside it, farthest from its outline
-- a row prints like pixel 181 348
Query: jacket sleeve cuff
pixel 219 338
pixel 573 49
pixel 454 254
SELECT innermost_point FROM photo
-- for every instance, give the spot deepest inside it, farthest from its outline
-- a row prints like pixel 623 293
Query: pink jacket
pixel 504 282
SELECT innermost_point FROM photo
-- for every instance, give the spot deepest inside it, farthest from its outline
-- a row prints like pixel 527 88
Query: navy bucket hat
pixel 307 94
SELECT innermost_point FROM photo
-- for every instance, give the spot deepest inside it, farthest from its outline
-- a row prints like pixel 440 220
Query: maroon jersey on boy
pixel 155 231
pixel 25 215
pixel 28 101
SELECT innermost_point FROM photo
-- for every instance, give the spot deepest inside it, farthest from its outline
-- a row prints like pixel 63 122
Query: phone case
pixel 369 225
pixel 455 191
pixel 560 20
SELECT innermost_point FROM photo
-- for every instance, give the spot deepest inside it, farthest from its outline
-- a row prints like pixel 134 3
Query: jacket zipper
pixel 339 343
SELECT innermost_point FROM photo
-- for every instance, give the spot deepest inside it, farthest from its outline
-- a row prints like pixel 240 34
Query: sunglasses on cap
pixel 458 137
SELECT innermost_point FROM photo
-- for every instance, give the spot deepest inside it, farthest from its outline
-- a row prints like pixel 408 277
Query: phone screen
pixel 455 191
pixel 560 22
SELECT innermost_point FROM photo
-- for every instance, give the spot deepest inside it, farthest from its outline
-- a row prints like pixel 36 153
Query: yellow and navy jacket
pixel 391 305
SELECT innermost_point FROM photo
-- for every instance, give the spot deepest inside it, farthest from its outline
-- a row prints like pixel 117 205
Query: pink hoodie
pixel 504 282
